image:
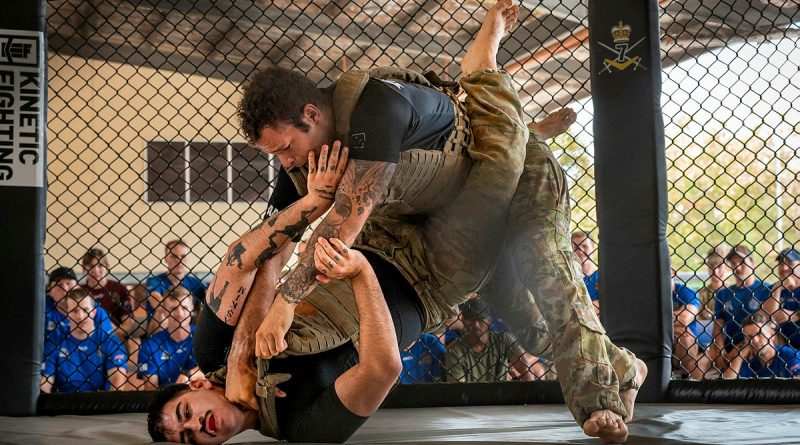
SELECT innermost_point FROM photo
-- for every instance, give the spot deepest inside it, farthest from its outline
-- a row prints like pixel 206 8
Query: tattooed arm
pixel 234 278
pixel 363 184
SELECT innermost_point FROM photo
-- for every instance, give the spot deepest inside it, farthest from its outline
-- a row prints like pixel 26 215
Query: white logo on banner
pixel 22 108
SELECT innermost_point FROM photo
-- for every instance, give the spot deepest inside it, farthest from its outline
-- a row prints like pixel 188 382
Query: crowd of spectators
pixel 736 325
pixel 101 335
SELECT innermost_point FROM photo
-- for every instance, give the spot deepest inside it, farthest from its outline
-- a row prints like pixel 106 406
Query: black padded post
pixel 23 105
pixel 630 172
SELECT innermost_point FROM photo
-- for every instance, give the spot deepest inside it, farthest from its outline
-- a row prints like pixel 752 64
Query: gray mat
pixel 655 424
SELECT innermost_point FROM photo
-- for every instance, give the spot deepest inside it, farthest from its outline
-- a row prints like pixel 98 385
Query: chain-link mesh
pixel 151 179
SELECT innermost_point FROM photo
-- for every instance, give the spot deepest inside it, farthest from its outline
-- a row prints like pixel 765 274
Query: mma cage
pixel 684 153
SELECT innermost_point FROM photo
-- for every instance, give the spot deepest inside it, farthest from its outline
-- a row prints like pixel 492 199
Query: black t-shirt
pixel 391 117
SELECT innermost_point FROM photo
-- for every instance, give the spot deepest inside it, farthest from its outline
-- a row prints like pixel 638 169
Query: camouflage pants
pixel 560 323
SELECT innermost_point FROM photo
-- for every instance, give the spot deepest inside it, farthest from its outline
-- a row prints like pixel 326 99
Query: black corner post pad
pixel 23 151
pixel 630 173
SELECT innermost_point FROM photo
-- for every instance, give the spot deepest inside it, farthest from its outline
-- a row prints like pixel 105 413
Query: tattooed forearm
pixel 290 231
pixel 215 300
pixel 361 188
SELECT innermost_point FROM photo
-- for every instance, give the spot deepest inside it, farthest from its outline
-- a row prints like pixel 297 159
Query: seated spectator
pixel 486 356
pixel 584 248
pixel 422 360
pixel 734 304
pixel 761 357
pixel 109 294
pixel 176 254
pixel 718 273
pixel 61 281
pixel 168 356
pixel 784 306
pixel 87 359
pixel 686 348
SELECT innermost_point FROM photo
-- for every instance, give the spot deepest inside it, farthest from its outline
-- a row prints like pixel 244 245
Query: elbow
pixel 386 369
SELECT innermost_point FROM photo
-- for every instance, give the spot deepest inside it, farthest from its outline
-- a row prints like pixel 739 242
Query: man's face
pixel 202 415
pixel 81 314
pixel 787 268
pixel 290 144
pixel 176 258
pixel 178 313
pixel 96 269
pixel 59 289
pixel 476 325
pixel 742 267
pixel 583 248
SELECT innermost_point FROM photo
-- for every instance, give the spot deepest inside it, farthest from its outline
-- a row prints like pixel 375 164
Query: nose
pixel 195 423
pixel 286 160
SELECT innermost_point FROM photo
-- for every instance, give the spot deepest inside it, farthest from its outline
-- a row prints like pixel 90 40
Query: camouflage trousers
pixel 539 292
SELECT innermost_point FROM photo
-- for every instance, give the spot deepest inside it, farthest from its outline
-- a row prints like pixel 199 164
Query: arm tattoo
pixel 239 294
pixel 290 231
pixel 214 301
pixel 236 255
pixel 361 187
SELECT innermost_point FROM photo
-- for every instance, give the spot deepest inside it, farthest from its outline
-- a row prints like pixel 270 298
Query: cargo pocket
pixel 592 347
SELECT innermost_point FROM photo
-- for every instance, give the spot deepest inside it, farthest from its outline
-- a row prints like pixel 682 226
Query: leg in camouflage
pixel 591 368
pixel 472 222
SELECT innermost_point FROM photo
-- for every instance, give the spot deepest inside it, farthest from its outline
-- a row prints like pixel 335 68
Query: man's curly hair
pixel 277 96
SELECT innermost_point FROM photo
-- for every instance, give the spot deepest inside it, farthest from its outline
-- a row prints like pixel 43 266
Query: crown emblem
pixel 621 33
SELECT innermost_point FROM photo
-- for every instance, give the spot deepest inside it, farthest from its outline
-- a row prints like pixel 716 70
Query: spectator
pixel 584 247
pixel 718 273
pixel 486 356
pixel 168 356
pixel 761 357
pixel 734 304
pixel 56 326
pixel 784 306
pixel 87 359
pixel 176 254
pixel 109 294
pixel 686 348
pixel 422 360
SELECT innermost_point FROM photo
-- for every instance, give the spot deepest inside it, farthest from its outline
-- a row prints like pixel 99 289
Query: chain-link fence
pixel 151 178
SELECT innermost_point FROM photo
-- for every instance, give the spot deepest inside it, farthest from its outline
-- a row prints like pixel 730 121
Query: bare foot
pixel 554 124
pixel 629 397
pixel 482 53
pixel 607 425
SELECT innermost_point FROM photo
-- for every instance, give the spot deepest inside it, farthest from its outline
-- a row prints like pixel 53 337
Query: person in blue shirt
pixel 761 357
pixel 88 359
pixel 56 325
pixel 784 306
pixel 423 360
pixel 584 248
pixel 168 356
pixel 176 254
pixel 734 304
pixel 685 346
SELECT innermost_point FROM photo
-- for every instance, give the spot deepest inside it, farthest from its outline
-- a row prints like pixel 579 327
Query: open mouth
pixel 211 424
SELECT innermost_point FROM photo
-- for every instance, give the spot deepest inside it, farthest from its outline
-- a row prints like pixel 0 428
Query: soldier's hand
pixel 271 335
pixel 325 173
pixel 336 261
pixel 240 384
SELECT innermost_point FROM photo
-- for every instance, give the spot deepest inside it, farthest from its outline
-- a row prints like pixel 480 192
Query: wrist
pixel 314 199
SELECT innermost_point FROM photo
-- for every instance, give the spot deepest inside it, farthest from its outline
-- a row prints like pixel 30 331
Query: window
pixel 201 171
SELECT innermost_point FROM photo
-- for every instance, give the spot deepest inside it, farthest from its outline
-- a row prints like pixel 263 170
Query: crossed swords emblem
pixel 622 61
